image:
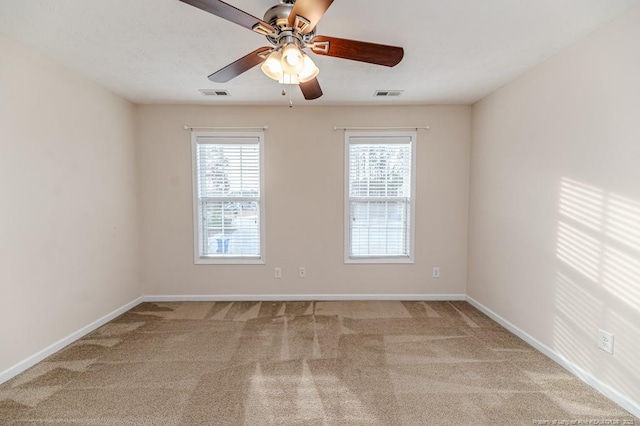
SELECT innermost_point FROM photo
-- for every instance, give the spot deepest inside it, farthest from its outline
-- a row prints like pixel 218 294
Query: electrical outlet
pixel 605 341
pixel 302 273
pixel 278 273
pixel 436 272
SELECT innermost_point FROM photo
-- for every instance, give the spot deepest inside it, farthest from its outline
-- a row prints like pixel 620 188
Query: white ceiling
pixel 161 51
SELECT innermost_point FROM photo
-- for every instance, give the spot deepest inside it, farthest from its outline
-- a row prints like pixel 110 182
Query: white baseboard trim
pixel 65 341
pixel 619 398
pixel 297 297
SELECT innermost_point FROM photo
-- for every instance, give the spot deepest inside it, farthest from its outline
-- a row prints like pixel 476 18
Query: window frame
pixel 226 138
pixel 373 259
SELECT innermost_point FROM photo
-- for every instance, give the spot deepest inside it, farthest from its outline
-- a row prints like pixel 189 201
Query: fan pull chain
pixel 290 98
pixel 284 93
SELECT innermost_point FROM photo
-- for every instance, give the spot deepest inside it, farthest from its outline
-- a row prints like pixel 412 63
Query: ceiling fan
pixel 290 27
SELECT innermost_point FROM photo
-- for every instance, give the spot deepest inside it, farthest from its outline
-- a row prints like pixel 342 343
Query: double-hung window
pixel 379 197
pixel 228 197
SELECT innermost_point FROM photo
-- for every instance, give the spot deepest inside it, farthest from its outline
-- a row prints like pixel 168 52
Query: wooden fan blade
pixel 311 10
pixel 379 54
pixel 311 89
pixel 233 14
pixel 236 68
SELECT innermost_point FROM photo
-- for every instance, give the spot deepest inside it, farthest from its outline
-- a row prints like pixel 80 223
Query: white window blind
pixel 380 188
pixel 228 197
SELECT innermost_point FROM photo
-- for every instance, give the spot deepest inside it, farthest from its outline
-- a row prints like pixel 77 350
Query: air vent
pixel 387 93
pixel 214 92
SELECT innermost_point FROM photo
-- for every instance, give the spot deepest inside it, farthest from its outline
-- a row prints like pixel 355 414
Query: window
pixel 227 195
pixel 379 197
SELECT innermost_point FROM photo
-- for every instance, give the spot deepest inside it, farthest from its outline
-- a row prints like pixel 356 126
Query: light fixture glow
pixel 272 67
pixel 292 61
pixel 291 66
pixel 309 70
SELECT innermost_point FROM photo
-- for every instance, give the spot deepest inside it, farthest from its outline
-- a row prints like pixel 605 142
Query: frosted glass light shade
pixel 272 67
pixel 292 61
pixel 309 70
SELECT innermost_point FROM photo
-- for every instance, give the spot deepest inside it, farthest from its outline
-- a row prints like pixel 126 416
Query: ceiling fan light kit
pixel 290 67
pixel 290 27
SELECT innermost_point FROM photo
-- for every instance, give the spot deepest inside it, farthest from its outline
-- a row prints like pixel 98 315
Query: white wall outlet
pixel 302 273
pixel 277 273
pixel 605 341
pixel 436 272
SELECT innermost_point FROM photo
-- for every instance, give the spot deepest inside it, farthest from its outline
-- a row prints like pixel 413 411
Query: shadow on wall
pixel 598 282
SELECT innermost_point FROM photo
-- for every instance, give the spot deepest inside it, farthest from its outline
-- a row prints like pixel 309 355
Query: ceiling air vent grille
pixel 214 92
pixel 387 93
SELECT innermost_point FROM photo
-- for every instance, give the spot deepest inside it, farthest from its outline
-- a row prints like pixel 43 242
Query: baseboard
pixel 619 398
pixel 296 297
pixel 55 347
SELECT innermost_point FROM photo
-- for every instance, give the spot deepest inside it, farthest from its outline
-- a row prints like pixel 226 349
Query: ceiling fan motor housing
pixel 278 17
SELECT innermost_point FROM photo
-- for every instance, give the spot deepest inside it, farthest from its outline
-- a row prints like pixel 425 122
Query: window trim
pixel 225 138
pixel 348 135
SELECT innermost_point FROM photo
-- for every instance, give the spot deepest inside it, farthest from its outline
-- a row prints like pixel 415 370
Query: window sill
pixel 374 260
pixel 229 261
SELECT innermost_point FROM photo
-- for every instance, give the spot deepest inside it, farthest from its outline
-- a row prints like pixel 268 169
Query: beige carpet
pixel 301 363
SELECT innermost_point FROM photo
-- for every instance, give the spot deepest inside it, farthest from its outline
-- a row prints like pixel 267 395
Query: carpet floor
pixel 301 363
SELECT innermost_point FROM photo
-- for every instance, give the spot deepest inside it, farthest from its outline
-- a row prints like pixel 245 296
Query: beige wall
pixel 304 201
pixel 68 222
pixel 554 229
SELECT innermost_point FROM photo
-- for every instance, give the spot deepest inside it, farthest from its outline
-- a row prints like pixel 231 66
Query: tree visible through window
pixel 380 195
pixel 227 197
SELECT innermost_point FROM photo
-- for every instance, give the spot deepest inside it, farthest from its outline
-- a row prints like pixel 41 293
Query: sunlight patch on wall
pixel 582 203
pixel 623 221
pixel 579 250
pixel 571 343
pixel 598 281
pixel 575 320
pixel 621 276
pixel 577 303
